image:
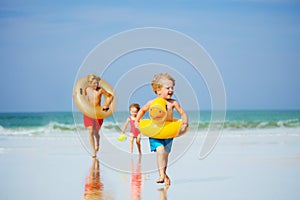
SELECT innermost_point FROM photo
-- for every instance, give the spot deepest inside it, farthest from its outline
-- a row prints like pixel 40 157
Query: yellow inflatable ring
pixel 157 126
pixel 85 107
pixel 169 130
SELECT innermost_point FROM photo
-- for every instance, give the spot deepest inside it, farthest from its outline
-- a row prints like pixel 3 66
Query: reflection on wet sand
pixel 136 179
pixel 93 188
pixel 163 192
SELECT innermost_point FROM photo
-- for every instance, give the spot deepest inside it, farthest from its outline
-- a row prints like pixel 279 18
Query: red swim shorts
pixel 95 123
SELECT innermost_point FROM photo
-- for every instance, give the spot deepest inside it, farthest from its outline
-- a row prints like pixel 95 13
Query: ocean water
pixel 237 123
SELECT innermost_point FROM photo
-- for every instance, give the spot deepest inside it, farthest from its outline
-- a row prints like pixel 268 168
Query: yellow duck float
pixel 157 126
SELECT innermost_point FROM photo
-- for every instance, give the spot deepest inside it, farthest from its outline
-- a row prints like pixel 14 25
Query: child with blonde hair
pixel 163 86
pixel 94 95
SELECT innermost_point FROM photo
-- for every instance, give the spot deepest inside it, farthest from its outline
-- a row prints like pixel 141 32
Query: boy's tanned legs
pixel 162 162
pixel 92 141
pixel 97 136
pixel 167 179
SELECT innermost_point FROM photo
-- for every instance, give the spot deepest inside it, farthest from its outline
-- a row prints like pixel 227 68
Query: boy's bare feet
pixel 168 181
pixel 160 180
pixel 165 180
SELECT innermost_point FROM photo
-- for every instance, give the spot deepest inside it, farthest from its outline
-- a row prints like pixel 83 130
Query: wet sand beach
pixel 250 167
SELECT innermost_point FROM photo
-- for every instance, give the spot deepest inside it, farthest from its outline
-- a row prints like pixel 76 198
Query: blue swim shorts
pixel 167 143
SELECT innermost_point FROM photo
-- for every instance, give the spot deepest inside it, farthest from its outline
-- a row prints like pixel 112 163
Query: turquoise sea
pixel 254 122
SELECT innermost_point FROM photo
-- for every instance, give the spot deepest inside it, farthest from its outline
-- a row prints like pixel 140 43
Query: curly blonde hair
pixel 157 81
pixel 92 77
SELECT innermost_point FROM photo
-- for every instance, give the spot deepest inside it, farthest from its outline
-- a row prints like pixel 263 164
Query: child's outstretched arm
pixel 125 126
pixel 110 98
pixel 141 113
pixel 184 116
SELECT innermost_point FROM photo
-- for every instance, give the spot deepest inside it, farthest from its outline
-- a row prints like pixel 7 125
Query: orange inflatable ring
pixel 85 107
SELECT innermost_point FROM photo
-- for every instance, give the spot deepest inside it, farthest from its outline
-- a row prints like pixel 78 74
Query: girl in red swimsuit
pixel 134 132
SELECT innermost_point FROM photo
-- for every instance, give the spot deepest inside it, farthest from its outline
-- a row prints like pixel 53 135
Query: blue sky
pixel 254 43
